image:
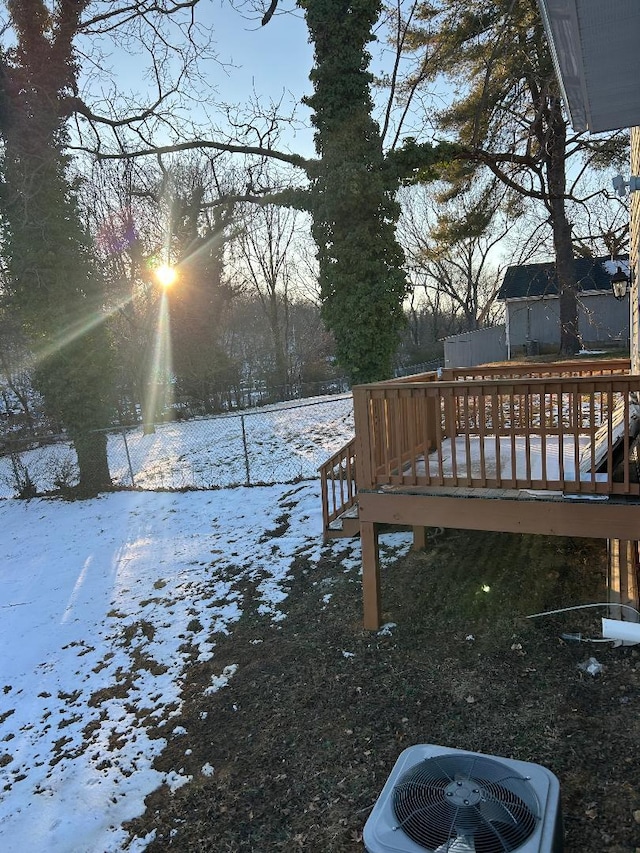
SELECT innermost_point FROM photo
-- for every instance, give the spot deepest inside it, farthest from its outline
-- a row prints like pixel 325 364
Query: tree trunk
pixel 53 280
pixel 567 285
pixel 91 449
pixel 565 265
pixel 354 209
pixel 279 348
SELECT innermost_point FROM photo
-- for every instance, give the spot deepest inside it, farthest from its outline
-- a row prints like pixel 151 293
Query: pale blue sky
pixel 271 59
pixel 272 62
pixel 269 64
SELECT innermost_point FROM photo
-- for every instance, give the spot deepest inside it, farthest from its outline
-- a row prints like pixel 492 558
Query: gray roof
pixel 536 280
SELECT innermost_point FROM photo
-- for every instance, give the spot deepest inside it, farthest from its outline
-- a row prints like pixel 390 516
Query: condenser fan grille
pixel 467 802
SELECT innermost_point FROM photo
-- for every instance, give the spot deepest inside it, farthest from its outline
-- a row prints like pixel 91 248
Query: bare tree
pixel 166 211
pixel 16 363
pixel 265 263
pixel 452 251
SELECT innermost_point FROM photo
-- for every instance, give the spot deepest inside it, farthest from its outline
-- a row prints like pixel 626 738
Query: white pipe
pixel 584 607
pixel 616 629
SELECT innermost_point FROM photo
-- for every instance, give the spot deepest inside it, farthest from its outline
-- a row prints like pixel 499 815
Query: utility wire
pixel 583 607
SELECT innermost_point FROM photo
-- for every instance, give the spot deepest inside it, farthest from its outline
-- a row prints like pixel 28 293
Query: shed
pixel 532 306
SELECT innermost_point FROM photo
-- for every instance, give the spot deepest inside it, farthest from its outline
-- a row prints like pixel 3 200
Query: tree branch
pixel 269 13
pixel 71 105
pixel 292 159
pixel 134 10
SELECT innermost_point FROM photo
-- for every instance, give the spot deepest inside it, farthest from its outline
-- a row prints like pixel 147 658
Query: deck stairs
pixel 339 494
pixel 344 526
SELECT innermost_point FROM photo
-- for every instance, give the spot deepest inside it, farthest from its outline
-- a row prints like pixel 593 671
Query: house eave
pixel 594 46
pixel 539 297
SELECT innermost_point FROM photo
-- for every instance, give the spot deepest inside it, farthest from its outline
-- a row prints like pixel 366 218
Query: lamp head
pixel 619 283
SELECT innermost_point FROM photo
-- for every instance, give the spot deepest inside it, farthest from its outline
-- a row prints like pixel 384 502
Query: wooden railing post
pixel 364 439
pixel 449 403
pixel 324 495
pixel 432 414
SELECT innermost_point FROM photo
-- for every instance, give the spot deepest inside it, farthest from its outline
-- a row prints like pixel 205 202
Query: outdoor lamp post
pixel 619 283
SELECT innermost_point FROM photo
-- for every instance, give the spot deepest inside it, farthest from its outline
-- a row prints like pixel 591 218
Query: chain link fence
pixel 275 444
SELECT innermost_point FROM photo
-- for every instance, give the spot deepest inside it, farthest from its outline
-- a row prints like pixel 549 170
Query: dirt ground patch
pixel 293 753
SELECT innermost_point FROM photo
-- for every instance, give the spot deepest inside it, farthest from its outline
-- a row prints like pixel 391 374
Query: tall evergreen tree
pixel 354 211
pixel 53 281
pixel 508 116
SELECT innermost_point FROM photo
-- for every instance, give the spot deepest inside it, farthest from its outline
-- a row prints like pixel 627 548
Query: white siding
pixel 602 321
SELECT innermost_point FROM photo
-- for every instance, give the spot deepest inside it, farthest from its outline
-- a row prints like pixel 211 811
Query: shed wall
pixel 479 347
pixel 602 321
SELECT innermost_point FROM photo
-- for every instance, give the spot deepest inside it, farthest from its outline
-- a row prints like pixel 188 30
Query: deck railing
pixel 338 483
pixel 569 433
pixel 538 370
pixel 473 421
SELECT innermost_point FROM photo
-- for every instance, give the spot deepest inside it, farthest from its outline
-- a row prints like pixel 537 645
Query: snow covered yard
pixel 103 606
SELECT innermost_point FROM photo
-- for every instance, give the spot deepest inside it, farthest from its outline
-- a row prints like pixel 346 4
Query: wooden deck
pixel 547 449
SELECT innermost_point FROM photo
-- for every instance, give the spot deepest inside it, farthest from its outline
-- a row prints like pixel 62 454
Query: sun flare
pixel 166 275
pixel 159 388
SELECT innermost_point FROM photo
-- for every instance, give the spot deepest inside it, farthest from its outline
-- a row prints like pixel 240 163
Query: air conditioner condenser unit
pixel 441 800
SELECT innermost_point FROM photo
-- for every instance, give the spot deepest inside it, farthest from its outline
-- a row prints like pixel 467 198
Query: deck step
pixel 346 526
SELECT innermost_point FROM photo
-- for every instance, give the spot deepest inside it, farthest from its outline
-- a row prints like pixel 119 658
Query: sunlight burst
pixel 166 275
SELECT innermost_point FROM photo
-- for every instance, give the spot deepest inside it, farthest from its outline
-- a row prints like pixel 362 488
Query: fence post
pixel 126 450
pixel 246 452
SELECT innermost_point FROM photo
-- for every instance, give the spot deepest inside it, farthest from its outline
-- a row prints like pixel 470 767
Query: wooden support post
pixel 634 592
pixel 370 575
pixel 613 581
pixel 624 547
pixel 623 586
pixel 419 538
